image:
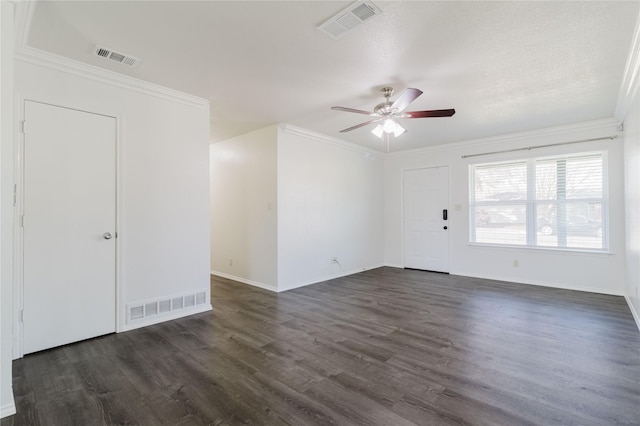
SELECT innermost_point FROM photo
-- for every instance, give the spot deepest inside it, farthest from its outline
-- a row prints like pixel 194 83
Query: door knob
pixel 444 227
pixel 107 235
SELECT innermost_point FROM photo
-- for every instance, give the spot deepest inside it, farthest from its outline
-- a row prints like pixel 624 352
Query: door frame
pixel 402 207
pixel 18 209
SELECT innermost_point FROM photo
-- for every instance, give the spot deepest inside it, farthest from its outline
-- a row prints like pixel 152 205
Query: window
pixel 558 202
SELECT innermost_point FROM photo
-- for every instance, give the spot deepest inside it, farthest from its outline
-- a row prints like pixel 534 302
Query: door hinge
pixel 21 319
pixel 23 126
pixel 22 221
pixel 15 192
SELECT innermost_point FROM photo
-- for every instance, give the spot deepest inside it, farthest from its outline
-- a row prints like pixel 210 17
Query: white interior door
pixel 69 213
pixel 426 238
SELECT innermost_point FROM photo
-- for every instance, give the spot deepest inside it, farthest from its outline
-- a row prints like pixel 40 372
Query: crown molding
pixel 22 24
pixel 28 54
pixel 631 77
pixel 310 134
pixel 606 124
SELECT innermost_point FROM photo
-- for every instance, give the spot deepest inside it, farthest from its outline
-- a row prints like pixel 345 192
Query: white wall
pixel 285 201
pixel 338 200
pixel 244 208
pixel 7 406
pixel 330 204
pixel 632 199
pixel 164 222
pixel 584 271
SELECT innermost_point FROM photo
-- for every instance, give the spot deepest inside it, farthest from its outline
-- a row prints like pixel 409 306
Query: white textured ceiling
pixel 504 66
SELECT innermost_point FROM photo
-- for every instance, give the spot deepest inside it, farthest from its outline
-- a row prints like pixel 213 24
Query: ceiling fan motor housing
pixel 384 108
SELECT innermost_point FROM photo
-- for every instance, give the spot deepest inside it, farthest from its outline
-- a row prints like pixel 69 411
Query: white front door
pixel 69 215
pixel 426 238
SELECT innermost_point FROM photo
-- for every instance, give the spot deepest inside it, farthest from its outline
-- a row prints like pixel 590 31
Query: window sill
pixel 554 250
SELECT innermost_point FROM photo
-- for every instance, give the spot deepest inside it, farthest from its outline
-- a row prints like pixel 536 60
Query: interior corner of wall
pixel 635 312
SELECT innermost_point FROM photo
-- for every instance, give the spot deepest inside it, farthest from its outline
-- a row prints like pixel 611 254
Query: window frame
pixel 531 203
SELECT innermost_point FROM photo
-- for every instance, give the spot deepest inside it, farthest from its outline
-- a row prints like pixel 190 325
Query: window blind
pixel 540 202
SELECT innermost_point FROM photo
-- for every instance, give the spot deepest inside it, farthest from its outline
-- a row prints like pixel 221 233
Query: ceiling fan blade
pixel 357 126
pixel 431 113
pixel 357 111
pixel 406 97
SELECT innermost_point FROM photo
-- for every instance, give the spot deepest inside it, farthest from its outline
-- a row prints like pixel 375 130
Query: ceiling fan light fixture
pixel 399 130
pixel 378 130
pixel 389 125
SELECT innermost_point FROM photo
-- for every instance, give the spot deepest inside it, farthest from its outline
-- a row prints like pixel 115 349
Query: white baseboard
pixel 600 290
pixel 8 409
pixel 246 281
pixel 326 278
pixel 635 314
pixel 294 285
pixel 168 317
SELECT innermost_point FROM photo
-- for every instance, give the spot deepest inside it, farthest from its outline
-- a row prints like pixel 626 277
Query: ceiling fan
pixel 387 113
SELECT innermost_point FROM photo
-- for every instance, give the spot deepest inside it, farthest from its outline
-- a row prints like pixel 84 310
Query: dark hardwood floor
pixel 383 347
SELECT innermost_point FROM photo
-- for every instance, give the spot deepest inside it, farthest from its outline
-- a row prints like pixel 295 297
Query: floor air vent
pixel 103 52
pixel 350 18
pixel 152 308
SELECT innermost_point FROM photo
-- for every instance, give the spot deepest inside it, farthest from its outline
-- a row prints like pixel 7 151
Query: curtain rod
pixel 540 146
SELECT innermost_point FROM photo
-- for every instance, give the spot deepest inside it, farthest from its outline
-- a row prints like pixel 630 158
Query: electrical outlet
pixel 230 261
pixel 516 263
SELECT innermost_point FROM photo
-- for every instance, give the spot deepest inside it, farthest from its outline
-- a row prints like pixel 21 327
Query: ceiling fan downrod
pixel 384 108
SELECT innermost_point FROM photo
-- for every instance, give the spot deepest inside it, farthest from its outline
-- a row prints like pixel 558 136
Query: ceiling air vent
pixel 348 19
pixel 121 58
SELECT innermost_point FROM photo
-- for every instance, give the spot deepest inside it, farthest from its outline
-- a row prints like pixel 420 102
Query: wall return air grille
pixel 349 18
pixel 150 308
pixel 121 58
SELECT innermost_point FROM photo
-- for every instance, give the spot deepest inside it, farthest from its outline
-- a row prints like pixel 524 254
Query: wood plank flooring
pixel 383 347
